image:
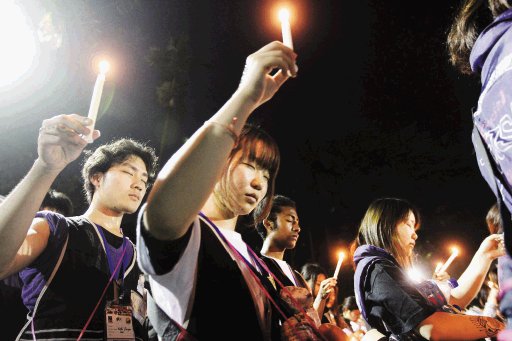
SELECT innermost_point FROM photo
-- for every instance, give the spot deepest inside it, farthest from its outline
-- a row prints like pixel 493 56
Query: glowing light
pixel 104 66
pixel 284 17
pixel 18 42
pixel 415 275
pixel 341 255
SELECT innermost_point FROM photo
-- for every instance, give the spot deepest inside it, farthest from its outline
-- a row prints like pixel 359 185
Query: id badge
pixel 118 322
pixel 139 307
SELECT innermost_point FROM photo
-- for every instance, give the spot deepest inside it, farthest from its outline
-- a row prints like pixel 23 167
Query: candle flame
pixel 104 66
pixel 455 251
pixel 341 255
pixel 284 15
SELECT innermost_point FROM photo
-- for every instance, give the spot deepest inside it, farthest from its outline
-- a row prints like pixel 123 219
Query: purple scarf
pixel 364 257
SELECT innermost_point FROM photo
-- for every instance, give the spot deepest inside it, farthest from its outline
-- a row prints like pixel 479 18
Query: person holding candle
pixel 392 304
pixel 72 268
pixel 323 288
pixel 59 143
pixel 202 275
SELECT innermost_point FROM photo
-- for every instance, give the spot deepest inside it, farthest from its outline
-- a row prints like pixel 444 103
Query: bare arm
pixel 188 178
pixel 473 277
pixel 326 286
pixel 446 326
pixel 34 244
pixel 59 143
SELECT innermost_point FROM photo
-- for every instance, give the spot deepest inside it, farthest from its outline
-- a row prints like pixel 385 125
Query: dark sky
pixel 375 111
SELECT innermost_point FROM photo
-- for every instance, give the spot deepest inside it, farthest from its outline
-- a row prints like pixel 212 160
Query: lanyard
pixel 251 268
pixel 110 254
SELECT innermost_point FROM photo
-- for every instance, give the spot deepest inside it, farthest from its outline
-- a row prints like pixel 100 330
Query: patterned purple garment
pixel 491 56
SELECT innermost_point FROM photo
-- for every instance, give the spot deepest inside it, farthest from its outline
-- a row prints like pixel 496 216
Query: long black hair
pixel 471 18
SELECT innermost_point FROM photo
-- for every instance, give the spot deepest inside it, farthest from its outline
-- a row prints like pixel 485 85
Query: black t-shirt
pixel 392 301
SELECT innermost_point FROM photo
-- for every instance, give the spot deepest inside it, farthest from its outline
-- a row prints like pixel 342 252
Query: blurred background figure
pixel 59 202
pixel 325 291
pixel 486 302
pixel 356 326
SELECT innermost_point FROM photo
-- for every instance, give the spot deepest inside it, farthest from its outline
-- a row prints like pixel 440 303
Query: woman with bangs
pixel 203 277
pixel 390 302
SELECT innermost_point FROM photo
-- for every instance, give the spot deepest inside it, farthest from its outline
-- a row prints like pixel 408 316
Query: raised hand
pixel 61 140
pixel 258 82
pixel 492 247
pixel 326 286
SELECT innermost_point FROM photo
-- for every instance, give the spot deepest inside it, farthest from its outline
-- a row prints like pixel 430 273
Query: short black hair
pixel 114 153
pixel 58 202
pixel 310 271
pixel 278 202
pixel 349 303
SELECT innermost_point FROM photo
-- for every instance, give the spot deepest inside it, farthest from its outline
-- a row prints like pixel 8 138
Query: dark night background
pixel 375 111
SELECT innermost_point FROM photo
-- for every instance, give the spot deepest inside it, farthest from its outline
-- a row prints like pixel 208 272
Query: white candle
pixel 445 266
pixel 96 98
pixel 438 267
pixel 338 266
pixel 284 16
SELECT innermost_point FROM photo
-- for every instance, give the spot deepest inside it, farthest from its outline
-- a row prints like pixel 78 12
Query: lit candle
pixel 284 16
pixel 438 267
pixel 454 254
pixel 96 97
pixel 338 266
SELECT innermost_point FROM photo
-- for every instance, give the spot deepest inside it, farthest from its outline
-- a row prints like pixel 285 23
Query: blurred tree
pixel 172 63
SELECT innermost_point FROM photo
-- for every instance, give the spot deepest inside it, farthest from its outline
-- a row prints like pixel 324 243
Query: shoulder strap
pixel 57 265
pixel 165 326
pixel 300 279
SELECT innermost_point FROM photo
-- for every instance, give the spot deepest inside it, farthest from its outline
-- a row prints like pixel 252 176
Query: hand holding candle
pixel 437 275
pixel 338 266
pixel 454 254
pixel 96 97
pixel 284 17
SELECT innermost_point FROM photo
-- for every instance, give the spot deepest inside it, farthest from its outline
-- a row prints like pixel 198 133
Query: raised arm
pixel 188 178
pixel 326 286
pixel 59 143
pixel 473 277
pixel 446 326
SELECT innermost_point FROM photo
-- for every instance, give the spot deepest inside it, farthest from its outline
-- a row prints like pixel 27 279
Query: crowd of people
pixel 189 275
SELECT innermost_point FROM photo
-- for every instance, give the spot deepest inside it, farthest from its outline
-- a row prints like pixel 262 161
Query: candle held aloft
pixel 445 266
pixel 438 267
pixel 284 17
pixel 96 98
pixel 338 266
